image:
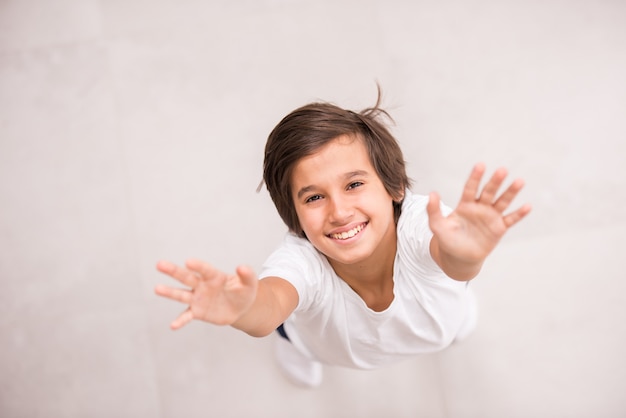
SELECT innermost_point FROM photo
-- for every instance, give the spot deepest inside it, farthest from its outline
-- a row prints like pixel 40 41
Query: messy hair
pixel 305 130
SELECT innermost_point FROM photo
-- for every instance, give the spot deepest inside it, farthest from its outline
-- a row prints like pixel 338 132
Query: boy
pixel 369 273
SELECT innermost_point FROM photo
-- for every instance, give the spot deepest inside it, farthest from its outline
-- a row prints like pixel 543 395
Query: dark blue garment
pixel 281 331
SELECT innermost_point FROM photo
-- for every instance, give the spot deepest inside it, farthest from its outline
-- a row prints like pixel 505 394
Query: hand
pixel 213 296
pixel 474 228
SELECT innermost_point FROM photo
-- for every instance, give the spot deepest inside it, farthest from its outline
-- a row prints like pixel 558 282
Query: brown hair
pixel 308 128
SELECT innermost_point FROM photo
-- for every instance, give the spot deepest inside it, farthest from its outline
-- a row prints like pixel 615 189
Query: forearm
pixel 455 267
pixel 274 302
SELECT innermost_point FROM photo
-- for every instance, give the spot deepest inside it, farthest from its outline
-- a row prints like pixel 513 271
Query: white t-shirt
pixel 333 325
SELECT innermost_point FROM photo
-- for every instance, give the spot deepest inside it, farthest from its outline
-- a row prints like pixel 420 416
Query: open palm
pixel 212 295
pixel 478 223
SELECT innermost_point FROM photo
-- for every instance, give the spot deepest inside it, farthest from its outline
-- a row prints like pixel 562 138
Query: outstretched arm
pixel 463 240
pixel 240 300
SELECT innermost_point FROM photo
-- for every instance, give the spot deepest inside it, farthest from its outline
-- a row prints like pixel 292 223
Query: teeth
pixel 348 234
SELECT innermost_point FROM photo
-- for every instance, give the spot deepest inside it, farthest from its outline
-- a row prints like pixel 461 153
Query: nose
pixel 340 211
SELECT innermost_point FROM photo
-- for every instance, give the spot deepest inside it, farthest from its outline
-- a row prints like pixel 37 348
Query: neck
pixel 372 279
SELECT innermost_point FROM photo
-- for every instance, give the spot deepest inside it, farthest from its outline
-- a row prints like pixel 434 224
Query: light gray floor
pixel 133 130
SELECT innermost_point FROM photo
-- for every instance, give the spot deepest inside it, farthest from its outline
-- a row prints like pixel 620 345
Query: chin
pixel 346 260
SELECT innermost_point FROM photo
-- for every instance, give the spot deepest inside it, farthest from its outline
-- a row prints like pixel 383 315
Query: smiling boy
pixel 369 273
pixel 347 215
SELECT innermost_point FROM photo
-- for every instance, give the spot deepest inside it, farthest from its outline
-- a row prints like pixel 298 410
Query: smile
pixel 348 234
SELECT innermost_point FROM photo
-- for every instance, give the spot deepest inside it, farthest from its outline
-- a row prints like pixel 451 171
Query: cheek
pixel 305 221
pixel 301 219
pixel 386 209
pixel 310 221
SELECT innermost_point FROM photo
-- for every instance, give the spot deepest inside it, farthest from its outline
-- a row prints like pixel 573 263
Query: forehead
pixel 344 154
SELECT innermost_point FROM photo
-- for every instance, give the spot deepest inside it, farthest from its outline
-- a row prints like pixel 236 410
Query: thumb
pixel 247 275
pixel 434 209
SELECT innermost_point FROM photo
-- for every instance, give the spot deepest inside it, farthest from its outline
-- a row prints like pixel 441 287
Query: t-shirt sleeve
pixel 414 237
pixel 297 262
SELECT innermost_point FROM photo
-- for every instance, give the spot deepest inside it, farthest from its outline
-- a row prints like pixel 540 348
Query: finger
pixel 504 201
pixel 184 276
pixel 491 188
pixel 247 276
pixel 434 210
pixel 206 270
pixel 513 218
pixel 470 190
pixel 179 295
pixel 182 320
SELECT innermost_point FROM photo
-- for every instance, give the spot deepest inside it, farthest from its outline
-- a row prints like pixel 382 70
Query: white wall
pixel 133 130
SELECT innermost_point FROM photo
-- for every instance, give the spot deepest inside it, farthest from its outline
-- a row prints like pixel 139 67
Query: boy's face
pixel 342 205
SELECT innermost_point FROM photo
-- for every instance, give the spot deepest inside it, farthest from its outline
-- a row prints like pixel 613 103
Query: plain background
pixel 133 130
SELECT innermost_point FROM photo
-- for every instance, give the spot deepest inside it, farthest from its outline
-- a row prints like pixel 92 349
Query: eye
pixel 313 198
pixel 354 185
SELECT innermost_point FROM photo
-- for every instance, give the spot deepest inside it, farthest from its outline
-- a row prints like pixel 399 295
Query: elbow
pixel 464 274
pixel 462 279
pixel 259 334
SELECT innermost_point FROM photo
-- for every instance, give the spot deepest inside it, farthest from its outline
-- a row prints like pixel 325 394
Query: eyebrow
pixel 347 176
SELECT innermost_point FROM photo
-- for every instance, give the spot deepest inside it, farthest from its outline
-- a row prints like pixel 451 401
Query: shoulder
pixel 414 236
pixel 414 216
pixel 294 250
pixel 297 261
pixel 414 213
